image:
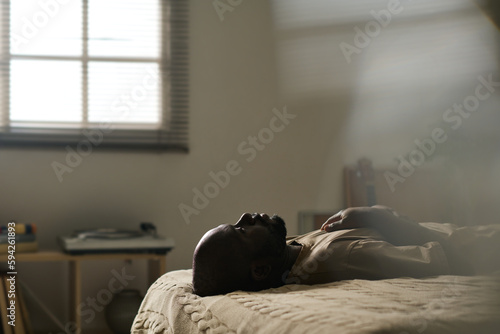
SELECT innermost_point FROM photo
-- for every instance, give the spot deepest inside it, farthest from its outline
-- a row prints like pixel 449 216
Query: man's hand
pixel 376 217
pixel 396 229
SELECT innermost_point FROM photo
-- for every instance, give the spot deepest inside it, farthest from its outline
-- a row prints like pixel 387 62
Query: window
pixel 113 72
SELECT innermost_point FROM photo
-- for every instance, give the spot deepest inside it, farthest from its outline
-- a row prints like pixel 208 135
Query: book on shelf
pixel 18 238
pixel 21 247
pixel 4 238
pixel 19 228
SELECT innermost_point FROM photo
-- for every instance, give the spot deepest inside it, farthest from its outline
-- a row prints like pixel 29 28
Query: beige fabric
pixel 478 246
pixel 444 304
pixel 362 254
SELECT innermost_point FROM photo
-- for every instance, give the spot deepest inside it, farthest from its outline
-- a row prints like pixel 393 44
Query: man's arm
pixel 396 229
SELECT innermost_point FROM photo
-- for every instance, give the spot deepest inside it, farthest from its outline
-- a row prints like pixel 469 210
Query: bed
pixel 442 304
pixel 439 304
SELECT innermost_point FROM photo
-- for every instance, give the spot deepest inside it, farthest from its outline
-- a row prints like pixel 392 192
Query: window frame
pixel 173 70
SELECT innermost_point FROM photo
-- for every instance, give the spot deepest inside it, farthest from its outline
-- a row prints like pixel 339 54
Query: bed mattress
pixel 442 304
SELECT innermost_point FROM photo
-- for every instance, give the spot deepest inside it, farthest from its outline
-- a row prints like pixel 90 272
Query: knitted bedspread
pixel 443 304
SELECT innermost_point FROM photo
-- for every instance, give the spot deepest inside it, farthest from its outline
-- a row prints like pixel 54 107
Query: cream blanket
pixel 443 304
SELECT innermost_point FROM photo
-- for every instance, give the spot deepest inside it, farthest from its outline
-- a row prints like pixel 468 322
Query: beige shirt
pixel 361 254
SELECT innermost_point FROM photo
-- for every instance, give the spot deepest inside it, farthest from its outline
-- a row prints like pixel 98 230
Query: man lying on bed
pixel 356 243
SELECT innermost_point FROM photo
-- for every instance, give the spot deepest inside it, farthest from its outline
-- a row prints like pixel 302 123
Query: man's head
pixel 240 256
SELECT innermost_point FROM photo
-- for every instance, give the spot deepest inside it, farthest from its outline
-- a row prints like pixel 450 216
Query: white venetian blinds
pixel 111 67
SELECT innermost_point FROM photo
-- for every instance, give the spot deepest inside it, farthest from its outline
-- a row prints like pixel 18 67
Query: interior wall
pixel 233 92
pixel 392 77
pixel 241 80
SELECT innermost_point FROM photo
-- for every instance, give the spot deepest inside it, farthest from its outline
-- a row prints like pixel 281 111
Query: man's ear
pixel 260 270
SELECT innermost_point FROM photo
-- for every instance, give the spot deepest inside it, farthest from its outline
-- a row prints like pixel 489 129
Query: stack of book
pixel 21 236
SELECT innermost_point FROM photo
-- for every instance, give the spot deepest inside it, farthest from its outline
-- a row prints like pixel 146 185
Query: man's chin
pixel 278 220
pixel 280 226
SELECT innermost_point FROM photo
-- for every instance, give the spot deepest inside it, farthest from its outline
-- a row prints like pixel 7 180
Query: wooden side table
pixel 156 267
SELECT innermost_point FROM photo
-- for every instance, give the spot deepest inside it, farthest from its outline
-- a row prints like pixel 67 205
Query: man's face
pixel 255 235
pixel 222 259
pixel 263 235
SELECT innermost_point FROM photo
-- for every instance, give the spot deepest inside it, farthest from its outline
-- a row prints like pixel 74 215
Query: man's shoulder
pixel 348 234
pixel 311 234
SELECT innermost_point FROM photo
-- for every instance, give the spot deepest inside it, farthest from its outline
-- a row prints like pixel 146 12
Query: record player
pixel 110 240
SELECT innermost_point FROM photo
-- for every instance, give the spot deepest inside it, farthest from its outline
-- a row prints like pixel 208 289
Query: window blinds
pixel 114 72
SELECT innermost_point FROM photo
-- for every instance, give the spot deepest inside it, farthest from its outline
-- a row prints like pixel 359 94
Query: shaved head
pixel 232 257
pixel 217 267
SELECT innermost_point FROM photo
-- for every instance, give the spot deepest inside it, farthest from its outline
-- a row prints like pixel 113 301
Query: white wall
pixel 236 79
pixel 233 93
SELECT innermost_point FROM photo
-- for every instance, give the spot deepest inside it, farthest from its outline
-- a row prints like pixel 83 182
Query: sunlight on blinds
pixel 121 92
pixel 35 100
pixel 119 77
pixel 112 34
pixel 119 65
pixel 56 31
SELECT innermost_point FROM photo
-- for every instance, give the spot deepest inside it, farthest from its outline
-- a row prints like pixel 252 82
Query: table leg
pixel 156 268
pixel 75 293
